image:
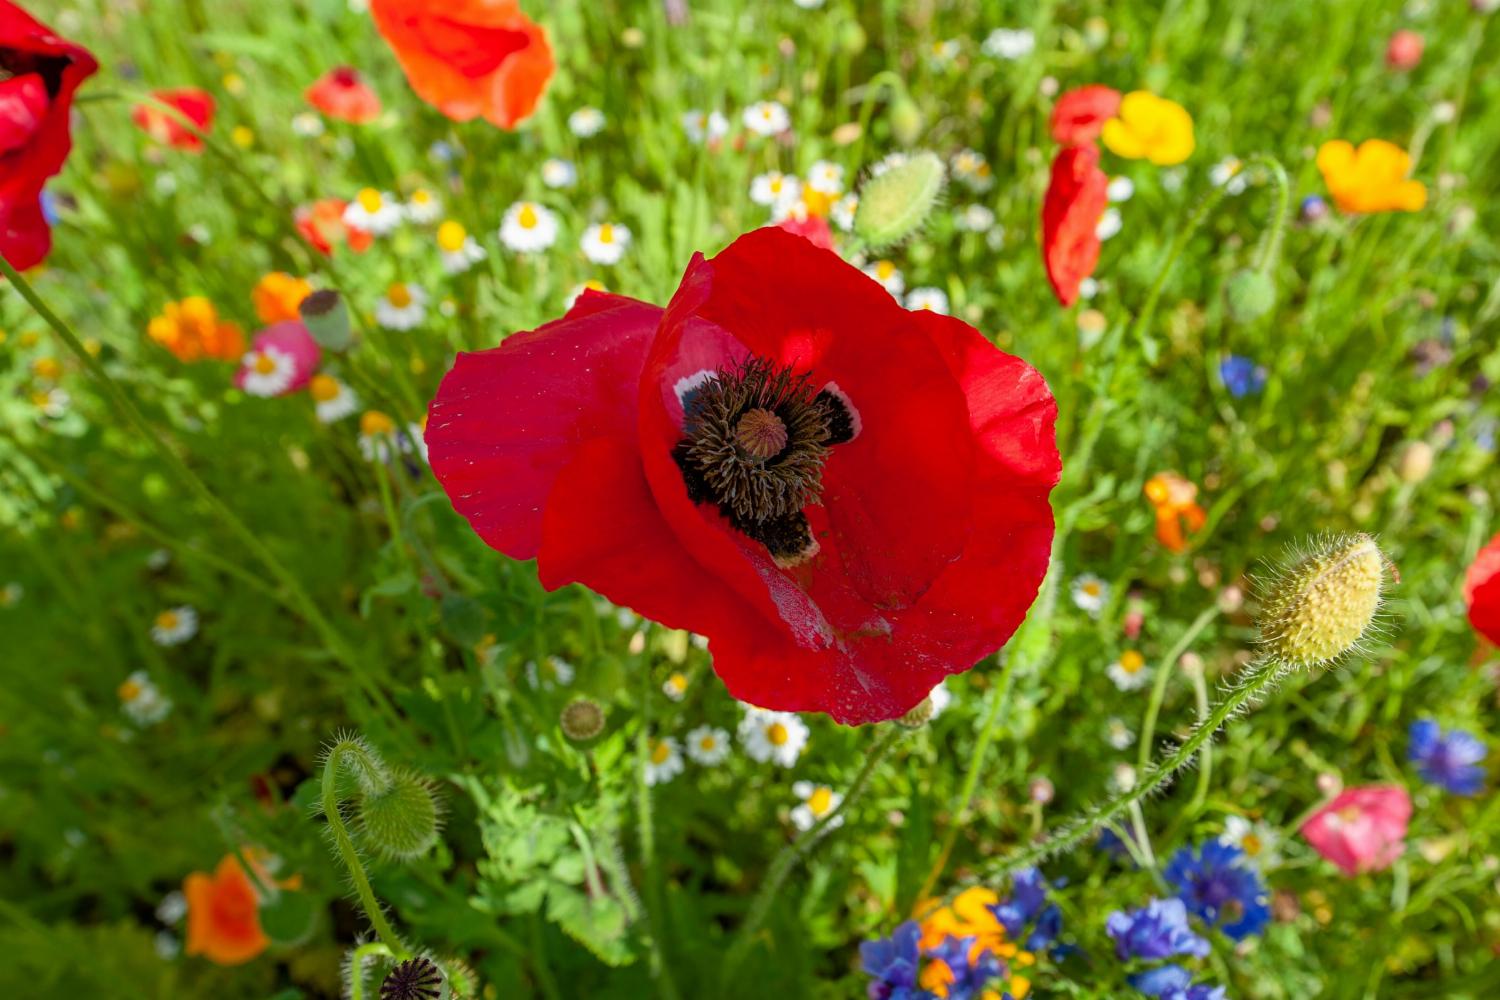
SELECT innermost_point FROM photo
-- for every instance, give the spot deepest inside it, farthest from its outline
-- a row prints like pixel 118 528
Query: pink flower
pixel 1363 829
pixel 282 358
pixel 1404 50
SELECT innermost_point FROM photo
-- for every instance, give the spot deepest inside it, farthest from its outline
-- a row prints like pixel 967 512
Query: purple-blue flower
pixel 1028 903
pixel 1313 208
pixel 1449 760
pixel 1159 930
pixel 969 978
pixel 1173 982
pixel 894 962
pixel 1242 376
pixel 1219 884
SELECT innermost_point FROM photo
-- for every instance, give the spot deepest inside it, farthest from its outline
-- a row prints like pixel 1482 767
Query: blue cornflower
pixel 1313 208
pixel 1028 903
pixel 1173 982
pixel 1242 376
pixel 1160 930
pixel 1449 760
pixel 894 963
pixel 969 977
pixel 1219 884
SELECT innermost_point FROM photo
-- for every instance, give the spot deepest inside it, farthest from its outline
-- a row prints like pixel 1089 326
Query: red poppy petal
pixel 25 237
pixel 505 422
pixel 1077 195
pixel 1482 591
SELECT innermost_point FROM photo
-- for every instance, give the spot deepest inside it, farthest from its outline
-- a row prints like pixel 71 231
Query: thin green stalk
pixel 1164 674
pixel 349 854
pixel 653 901
pixel 1206 758
pixel 357 966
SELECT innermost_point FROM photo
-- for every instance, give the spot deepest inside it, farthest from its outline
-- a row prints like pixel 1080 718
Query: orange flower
pixel 277 296
pixel 223 919
pixel 469 58
pixel 1371 178
pixel 192 330
pixel 322 225
pixel 1176 503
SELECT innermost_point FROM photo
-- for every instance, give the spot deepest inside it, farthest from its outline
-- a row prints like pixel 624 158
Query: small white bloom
pixel 842 212
pixel 1090 593
pixel 1172 178
pixel 664 761
pixel 586 122
pixel 808 4
pixel 332 399
pixel 777 737
pixel 528 227
pixel 707 745
pixel 1123 778
pixel 940 697
pixel 1088 288
pixel 554 671
pixel 817 801
pixel 888 162
pixel 457 249
pixel 174 626
pixel 675 687
pixel 373 212
pixel 142 701
pixel 165 184
pixel 826 177
pixel 888 275
pixel 172 908
pixel 1120 189
pixel 200 234
pixel 52 402
pixel 424 207
pixel 158 560
pixel 1009 43
pixel 403 307
pixel 416 435
pixel 970 167
pixel 931 299
pixel 1258 840
pixel 1109 224
pixel 945 51
pixel 558 173
pixel 1444 112
pixel 701 126
pixel 268 371
pixel 166 945
pixel 775 189
pixel 605 243
pixel 307 125
pixel 1230 175
pixel 767 118
pixel 974 218
pixel 1119 734
pixel 1129 672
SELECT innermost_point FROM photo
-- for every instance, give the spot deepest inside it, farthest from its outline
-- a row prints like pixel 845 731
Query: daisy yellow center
pixel 1091 588
pixel 129 691
pixel 776 185
pixel 451 236
pixel 766 113
pixel 47 368
pixel 527 217
pixel 369 200
pixel 660 752
pixel 708 743
pixel 821 800
pixel 1131 662
pixel 421 197
pixel 42 397
pixel 167 620
pixel 884 269
pixel 1251 844
pixel 594 284
pixel 373 422
pixel 777 735
pixel 323 388
pixel 677 682
pixel 606 233
pixel 264 364
pixel 399 296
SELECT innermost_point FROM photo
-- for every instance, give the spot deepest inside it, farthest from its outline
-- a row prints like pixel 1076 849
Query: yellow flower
pixel 1151 128
pixel 1371 178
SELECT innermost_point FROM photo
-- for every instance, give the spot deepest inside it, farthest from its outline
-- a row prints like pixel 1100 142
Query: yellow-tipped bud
pixel 1324 602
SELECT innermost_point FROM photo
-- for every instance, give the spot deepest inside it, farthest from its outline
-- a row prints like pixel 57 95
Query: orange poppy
pixel 223 918
pixel 322 225
pixel 469 58
pixel 1178 513
pixel 191 329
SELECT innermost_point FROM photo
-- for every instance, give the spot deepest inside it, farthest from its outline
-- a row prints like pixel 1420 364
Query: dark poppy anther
pixel 839 414
pixel 413 979
pixel 789 539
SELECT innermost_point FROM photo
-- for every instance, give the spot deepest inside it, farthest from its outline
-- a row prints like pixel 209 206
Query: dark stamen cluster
pixel 413 979
pixel 757 437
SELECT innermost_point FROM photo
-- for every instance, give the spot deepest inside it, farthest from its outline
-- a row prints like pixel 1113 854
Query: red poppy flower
pixel 1080 114
pixel 1482 591
pixel 39 73
pixel 166 128
pixel 322 224
pixel 847 498
pixel 1076 197
pixel 343 94
pixel 1404 51
pixel 469 58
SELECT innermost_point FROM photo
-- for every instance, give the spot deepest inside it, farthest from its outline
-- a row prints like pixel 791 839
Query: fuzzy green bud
pixel 906 120
pixel 919 716
pixel 1251 295
pixel 1323 602
pixel 894 205
pixel 582 719
pixel 327 319
pixel 403 821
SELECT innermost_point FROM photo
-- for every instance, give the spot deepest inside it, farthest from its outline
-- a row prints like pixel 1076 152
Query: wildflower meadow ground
pixel 898 499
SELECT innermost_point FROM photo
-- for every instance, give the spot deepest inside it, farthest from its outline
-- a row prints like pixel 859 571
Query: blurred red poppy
pixel 197 106
pixel 1080 114
pixel 849 499
pixel 343 94
pixel 1076 198
pixel 1404 51
pixel 1482 591
pixel 39 74
pixel 322 224
pixel 469 58
pixel 814 229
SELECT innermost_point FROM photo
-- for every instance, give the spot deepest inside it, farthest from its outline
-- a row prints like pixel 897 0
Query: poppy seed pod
pixel 1251 295
pixel 402 821
pixel 582 719
pixel 415 979
pixel 894 205
pixel 1323 602
pixel 327 319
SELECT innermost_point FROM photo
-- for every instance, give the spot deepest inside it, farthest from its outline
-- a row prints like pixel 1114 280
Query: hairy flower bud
pixel 919 715
pixel 1323 602
pixel 894 205
pixel 403 821
pixel 1251 294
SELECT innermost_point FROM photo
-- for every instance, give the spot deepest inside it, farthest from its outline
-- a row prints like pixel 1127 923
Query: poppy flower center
pixel 755 441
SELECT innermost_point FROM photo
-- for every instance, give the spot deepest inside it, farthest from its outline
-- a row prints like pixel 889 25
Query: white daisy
pixel 1129 672
pixel 889 162
pixel 158 560
pixel 528 227
pixel 842 212
pixel 332 399
pixel 974 218
pixel 1123 778
pixel 172 908
pixel 663 761
pixel 586 122
pixel 554 671
pixel 165 184
pixel 1090 593
pixel 701 126
pixel 970 167
pixel 675 687
pixel 424 207
pixel 592 285
pixel 1258 840
pixel 777 737
pixel 51 402
pixel 826 177
pixel 707 745
pixel 1109 224
pixel 888 275
pixel 767 118
pixel 373 212
pixel 378 440
pixel 1088 288
pixel 1009 43
pixel 931 299
pixel 268 371
pixel 141 701
pixel 558 173
pixel 775 190
pixel 940 697
pixel 817 801
pixel 1230 175
pixel 403 307
pixel 605 243
pixel 1118 734
pixel 1120 189
pixel 459 251
pixel 944 52
pixel 174 626
pixel 307 125
pixel 416 435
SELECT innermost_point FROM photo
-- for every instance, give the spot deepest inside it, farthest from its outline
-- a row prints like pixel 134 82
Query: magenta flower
pixel 1363 829
pixel 281 359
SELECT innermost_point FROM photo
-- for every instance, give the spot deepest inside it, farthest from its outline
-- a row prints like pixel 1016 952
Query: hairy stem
pixel 344 843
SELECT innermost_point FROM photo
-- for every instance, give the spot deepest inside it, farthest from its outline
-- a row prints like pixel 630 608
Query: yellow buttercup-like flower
pixel 1152 128
pixel 1371 178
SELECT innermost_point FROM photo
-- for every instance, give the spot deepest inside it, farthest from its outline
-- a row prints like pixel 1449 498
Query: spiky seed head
pixel 401 822
pixel 1323 602
pixel 894 205
pixel 582 719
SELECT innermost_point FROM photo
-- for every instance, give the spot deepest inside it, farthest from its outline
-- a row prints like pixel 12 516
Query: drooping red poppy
pixel 39 74
pixel 849 499
pixel 1482 591
pixel 343 94
pixel 1079 115
pixel 1076 197
pixel 166 128
pixel 469 58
